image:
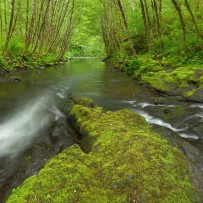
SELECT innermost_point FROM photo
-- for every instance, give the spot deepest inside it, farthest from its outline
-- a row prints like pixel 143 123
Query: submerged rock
pixel 15 79
pixel 126 161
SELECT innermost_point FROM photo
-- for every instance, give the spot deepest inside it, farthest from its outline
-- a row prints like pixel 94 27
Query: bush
pixel 2 62
pixel 15 47
pixel 132 65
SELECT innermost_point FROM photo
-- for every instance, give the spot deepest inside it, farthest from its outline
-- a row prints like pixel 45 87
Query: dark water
pixel 28 107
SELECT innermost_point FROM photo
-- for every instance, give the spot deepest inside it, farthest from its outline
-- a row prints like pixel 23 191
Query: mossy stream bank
pixel 120 159
pixel 168 75
pixel 10 68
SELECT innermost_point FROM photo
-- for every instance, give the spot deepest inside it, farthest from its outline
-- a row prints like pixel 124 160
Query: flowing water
pixel 28 107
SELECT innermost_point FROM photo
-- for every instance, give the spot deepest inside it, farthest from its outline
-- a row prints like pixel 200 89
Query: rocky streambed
pixel 120 159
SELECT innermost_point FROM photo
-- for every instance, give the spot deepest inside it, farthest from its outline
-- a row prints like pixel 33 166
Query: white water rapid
pixel 181 131
pixel 19 129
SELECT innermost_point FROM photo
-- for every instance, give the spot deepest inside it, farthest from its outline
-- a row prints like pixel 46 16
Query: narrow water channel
pixel 27 108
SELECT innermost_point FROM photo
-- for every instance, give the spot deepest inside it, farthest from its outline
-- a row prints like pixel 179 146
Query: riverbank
pixel 20 63
pixel 168 75
pixel 120 159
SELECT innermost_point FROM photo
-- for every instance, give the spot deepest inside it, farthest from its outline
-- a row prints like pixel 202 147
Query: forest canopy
pixel 51 30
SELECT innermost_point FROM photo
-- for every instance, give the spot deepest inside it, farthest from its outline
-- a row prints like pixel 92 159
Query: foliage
pixel 2 62
pixel 170 29
pixel 99 28
pixel 35 29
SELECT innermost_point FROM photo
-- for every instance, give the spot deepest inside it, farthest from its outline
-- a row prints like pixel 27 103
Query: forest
pixel 101 101
pixel 43 31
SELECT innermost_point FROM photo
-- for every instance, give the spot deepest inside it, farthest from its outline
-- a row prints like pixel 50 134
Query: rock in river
pixel 197 96
pixel 15 79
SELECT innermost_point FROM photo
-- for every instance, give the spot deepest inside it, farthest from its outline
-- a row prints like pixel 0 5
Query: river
pixel 29 107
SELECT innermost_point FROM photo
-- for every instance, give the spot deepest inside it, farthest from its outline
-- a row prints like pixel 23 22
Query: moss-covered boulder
pixel 183 80
pixel 126 162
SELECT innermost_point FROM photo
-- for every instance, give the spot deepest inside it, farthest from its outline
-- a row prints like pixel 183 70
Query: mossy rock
pixel 126 162
pixel 165 74
pixel 71 101
pixel 156 80
pixel 15 79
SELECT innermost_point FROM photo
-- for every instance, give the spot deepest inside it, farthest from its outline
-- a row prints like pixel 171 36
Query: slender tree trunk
pixel 10 26
pixel 26 27
pixel 147 13
pixel 16 17
pixel 158 23
pixel 146 25
pixel 182 22
pixel 38 19
pixel 153 13
pixel 5 13
pixel 30 27
pixel 1 25
pixel 67 33
pixel 126 25
pixel 61 21
pixel 193 19
pixel 41 27
pixel 51 24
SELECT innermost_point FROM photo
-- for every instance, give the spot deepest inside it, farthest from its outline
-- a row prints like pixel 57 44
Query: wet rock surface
pixel 60 137
pixel 192 153
pixel 197 96
pixel 184 116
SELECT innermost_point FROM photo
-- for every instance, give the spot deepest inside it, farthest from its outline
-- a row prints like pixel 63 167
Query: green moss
pixel 189 93
pixel 17 61
pixel 170 74
pixel 156 80
pixel 201 81
pixel 84 101
pixel 179 78
pixel 127 161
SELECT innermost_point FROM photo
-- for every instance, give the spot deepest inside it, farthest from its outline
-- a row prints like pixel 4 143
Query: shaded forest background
pixel 36 32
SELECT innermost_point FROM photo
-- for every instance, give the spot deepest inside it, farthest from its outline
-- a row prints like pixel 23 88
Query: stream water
pixel 28 107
